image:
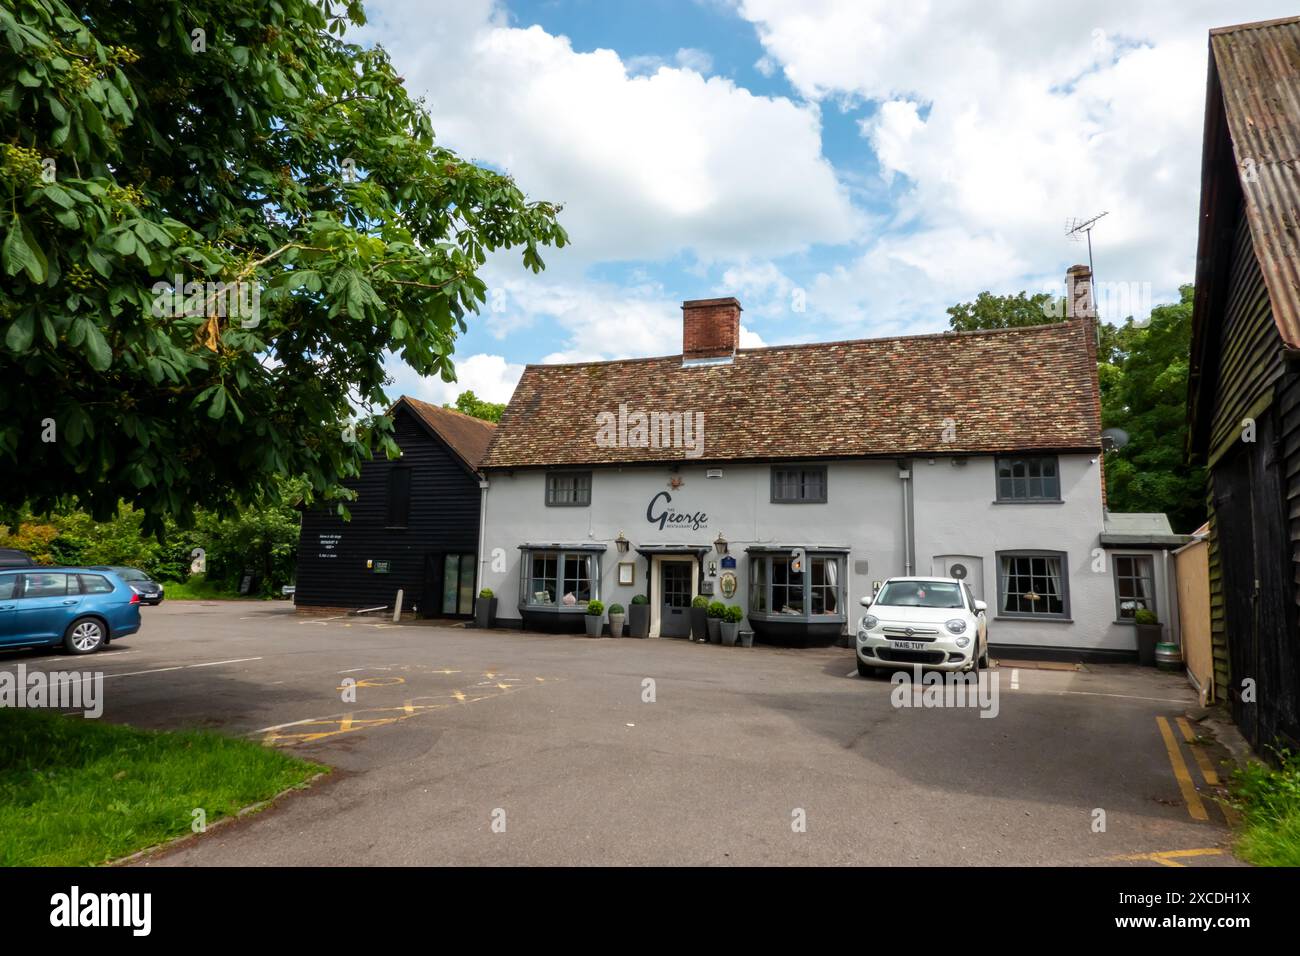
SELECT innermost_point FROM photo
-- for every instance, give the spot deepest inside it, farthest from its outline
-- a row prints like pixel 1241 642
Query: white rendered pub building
pixel 792 480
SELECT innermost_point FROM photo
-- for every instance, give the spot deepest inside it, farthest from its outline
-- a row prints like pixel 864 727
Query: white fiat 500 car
pixel 934 622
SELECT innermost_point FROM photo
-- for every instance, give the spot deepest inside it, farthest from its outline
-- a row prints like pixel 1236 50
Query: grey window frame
pixel 1027 499
pixel 1062 556
pixel 802 470
pixel 568 473
pixel 1115 577
pixel 765 579
pixel 562 557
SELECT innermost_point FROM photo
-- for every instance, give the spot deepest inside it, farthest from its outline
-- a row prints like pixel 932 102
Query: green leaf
pixel 20 334
pixel 218 406
pixel 125 242
pixel 21 253
pixel 97 350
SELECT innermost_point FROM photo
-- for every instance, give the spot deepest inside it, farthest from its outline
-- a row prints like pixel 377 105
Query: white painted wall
pixel 955 513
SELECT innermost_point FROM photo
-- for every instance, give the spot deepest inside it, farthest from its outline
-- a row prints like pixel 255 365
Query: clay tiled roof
pixel 466 435
pixel 1021 389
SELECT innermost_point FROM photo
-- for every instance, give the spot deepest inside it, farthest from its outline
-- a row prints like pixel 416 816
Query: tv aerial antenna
pixel 1077 227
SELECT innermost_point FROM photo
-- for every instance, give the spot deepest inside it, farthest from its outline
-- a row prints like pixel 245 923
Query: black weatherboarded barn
pixel 1244 401
pixel 414 524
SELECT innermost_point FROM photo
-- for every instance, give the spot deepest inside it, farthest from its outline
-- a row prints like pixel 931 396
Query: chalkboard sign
pixel 246 583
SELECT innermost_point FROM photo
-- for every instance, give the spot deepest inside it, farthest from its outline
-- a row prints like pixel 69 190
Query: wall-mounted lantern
pixel 720 545
pixel 621 543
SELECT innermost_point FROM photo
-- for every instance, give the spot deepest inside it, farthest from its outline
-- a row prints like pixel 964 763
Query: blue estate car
pixel 81 608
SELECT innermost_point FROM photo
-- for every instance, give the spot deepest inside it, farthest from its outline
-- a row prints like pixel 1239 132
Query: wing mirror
pixel 865 600
pixel 980 607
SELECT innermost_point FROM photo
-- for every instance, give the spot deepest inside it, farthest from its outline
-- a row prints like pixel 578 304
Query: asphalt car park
pixel 457 746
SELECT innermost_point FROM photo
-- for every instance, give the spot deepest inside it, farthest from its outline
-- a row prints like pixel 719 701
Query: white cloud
pixel 997 126
pixel 647 166
pixel 490 377
pixel 689 58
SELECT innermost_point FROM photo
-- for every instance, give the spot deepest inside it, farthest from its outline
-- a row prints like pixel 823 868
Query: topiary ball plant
pixel 733 615
pixel 1144 616
pixel 717 609
pixel 486 594
pixel 640 599
pixel 700 601
pixel 595 608
pixel 613 609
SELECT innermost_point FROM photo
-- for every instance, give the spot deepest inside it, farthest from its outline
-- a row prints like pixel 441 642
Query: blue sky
pixel 846 168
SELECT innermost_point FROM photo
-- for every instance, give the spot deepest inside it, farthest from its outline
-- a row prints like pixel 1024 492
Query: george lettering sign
pixel 664 517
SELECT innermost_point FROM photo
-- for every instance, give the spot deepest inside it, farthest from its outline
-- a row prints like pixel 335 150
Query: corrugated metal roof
pixel 1259 74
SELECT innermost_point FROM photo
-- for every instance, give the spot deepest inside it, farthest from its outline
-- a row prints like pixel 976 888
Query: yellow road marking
pixel 1195 808
pixel 1202 760
pixel 1170 857
pixel 307 731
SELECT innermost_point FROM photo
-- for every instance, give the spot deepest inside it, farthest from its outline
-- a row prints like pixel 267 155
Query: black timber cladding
pixel 1252 444
pixel 442 518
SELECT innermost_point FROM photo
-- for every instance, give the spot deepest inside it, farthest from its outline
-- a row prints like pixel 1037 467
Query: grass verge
pixel 1268 799
pixel 75 792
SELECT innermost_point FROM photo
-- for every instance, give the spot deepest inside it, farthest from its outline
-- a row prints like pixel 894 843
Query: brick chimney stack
pixel 1079 303
pixel 710 328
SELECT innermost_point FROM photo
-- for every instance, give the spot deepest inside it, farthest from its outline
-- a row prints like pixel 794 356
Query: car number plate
pixel 907 645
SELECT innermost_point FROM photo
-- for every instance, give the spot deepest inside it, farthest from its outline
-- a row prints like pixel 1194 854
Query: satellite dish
pixel 1114 438
pixel 958 571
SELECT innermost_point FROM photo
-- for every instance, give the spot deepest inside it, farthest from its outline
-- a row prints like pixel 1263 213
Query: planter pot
pixel 699 624
pixel 616 625
pixel 485 612
pixel 713 625
pixel 595 624
pixel 1169 657
pixel 1148 636
pixel 729 632
pixel 746 638
pixel 638 620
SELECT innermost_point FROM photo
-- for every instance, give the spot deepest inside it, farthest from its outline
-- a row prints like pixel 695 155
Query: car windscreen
pixel 130 574
pixel 920 594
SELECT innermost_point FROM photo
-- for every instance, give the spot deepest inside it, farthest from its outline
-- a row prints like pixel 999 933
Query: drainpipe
pixel 482 529
pixel 905 474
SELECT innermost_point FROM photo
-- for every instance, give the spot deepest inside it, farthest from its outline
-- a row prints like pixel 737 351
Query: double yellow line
pixel 1191 797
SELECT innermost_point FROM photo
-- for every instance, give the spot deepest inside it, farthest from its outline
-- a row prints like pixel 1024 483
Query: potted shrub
pixel 714 611
pixel 1149 633
pixel 485 609
pixel 700 619
pixel 616 620
pixel 638 620
pixel 595 618
pixel 730 625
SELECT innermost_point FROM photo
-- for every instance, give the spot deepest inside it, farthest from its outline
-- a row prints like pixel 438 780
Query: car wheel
pixel 865 670
pixel 984 657
pixel 84 636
